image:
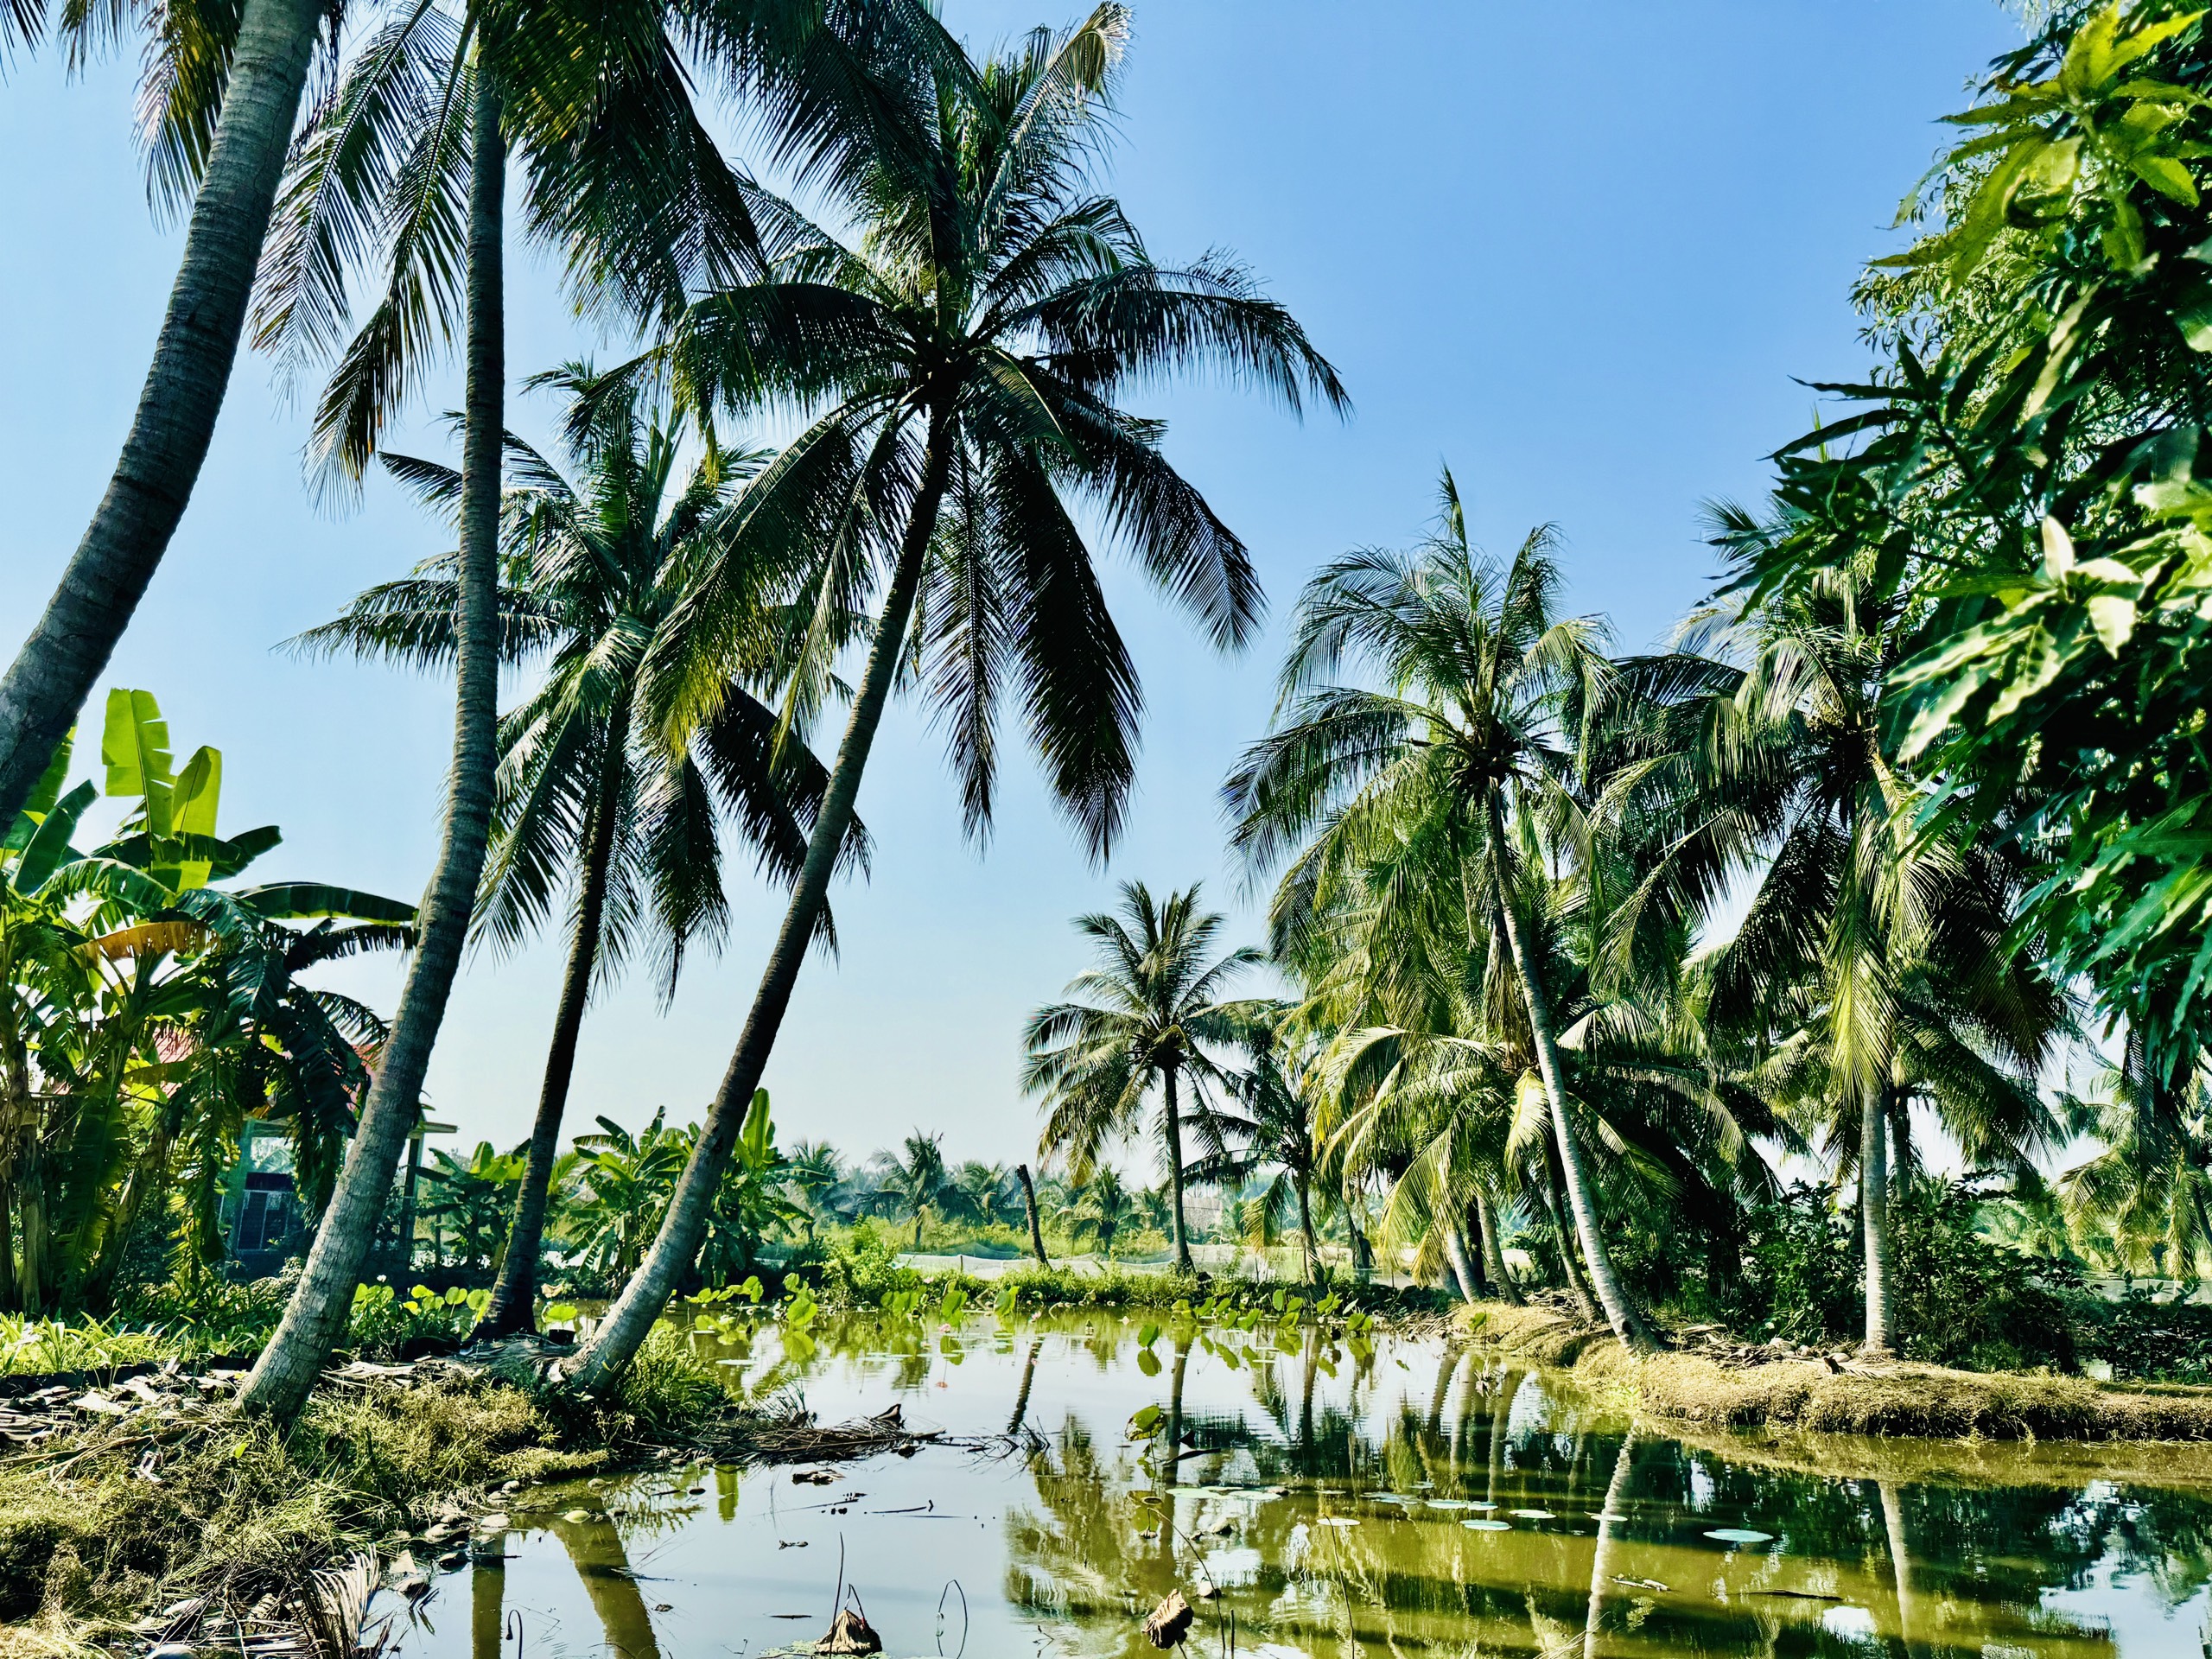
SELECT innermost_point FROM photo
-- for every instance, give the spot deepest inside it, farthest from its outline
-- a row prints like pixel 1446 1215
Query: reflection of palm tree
pixel 487 1592
pixel 595 1550
pixel 1900 1559
pixel 1021 1395
pixel 1601 1560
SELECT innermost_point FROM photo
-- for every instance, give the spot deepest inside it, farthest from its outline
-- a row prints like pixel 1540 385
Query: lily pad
pixel 1479 1505
pixel 1339 1521
pixel 1740 1535
pixel 1449 1503
pixel 1533 1514
pixel 1487 1526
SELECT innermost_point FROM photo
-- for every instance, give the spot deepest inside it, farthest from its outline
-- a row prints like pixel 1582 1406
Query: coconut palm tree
pixel 1104 1209
pixel 1457 765
pixel 597 103
pixel 593 568
pixel 1262 1118
pixel 1155 1006
pixel 959 366
pixel 915 1180
pixel 223 88
pixel 1872 967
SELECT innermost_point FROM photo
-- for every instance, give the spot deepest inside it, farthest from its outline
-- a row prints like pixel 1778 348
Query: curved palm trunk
pixel 1029 1204
pixel 514 1296
pixel 1173 1121
pixel 1493 1254
pixel 281 1378
pixel 1620 1312
pixel 1874 1215
pixel 1022 1394
pixel 106 576
pixel 623 1330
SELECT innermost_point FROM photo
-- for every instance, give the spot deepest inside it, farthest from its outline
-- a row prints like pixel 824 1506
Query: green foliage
pixel 2141 1338
pixel 1803 1269
pixel 381 1320
pixel 1966 1301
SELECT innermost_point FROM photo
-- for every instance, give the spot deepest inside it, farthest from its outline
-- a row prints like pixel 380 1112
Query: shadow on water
pixel 1408 1497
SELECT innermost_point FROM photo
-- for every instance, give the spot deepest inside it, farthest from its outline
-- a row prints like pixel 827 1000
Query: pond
pixel 1398 1498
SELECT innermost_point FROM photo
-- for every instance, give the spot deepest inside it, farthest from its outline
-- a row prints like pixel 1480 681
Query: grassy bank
pixel 236 1512
pixel 1889 1399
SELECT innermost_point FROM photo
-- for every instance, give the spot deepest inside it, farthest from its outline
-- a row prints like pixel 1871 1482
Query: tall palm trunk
pixel 106 576
pixel 1493 1253
pixel 1570 1265
pixel 1029 1205
pixel 1620 1312
pixel 514 1295
pixel 281 1379
pixel 1874 1215
pixel 1174 1120
pixel 1305 1186
pixel 623 1330
pixel 1455 1256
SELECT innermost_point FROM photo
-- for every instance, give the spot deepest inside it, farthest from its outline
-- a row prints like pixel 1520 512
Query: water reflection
pixel 1314 1500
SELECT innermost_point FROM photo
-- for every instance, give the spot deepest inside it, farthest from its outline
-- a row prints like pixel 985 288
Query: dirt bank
pixel 1717 1387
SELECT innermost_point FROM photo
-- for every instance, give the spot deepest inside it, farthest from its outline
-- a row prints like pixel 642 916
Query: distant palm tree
pixel 959 365
pixel 983 1193
pixel 1156 1006
pixel 915 1180
pixel 1104 1209
pixel 1263 1119
pixel 594 567
pixel 814 1171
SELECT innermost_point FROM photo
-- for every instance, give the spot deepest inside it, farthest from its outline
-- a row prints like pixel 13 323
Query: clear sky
pixel 1578 251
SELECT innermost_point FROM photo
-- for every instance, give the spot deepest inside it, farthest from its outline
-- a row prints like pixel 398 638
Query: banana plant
pixel 146 1014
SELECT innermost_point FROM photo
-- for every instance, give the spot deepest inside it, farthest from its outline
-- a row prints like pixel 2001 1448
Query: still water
pixel 1414 1499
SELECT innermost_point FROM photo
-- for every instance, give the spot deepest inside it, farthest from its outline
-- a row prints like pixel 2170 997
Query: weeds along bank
pixel 237 1511
pixel 1724 1385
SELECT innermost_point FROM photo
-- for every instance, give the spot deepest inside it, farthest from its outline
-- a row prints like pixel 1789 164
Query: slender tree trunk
pixel 1620 1311
pixel 1029 1205
pixel 514 1297
pixel 623 1330
pixel 53 673
pixel 1603 1561
pixel 1362 1253
pixel 1455 1256
pixel 1174 1120
pixel 1306 1230
pixel 287 1369
pixel 1569 1267
pixel 1874 1217
pixel 1494 1253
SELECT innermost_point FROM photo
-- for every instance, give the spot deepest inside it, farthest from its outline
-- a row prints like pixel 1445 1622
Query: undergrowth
pixel 244 1510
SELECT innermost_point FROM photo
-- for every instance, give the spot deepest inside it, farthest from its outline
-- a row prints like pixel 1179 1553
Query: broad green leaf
pixel 135 748
pixel 49 843
pixel 2165 176
pixel 2113 618
pixel 2057 549
pixel 44 793
pixel 295 901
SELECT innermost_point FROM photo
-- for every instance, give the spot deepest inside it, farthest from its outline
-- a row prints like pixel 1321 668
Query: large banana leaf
pixel 135 745
pixel 222 857
pixel 48 846
pixel 295 900
pixel 43 795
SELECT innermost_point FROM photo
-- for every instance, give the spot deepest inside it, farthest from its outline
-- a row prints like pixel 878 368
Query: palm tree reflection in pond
pixel 596 1547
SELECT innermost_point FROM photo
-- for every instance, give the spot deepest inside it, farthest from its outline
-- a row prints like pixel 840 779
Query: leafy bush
pixel 1802 1277
pixel 1960 1299
pixel 2137 1337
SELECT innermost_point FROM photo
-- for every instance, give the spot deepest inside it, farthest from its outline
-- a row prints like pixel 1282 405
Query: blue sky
pixel 1576 251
